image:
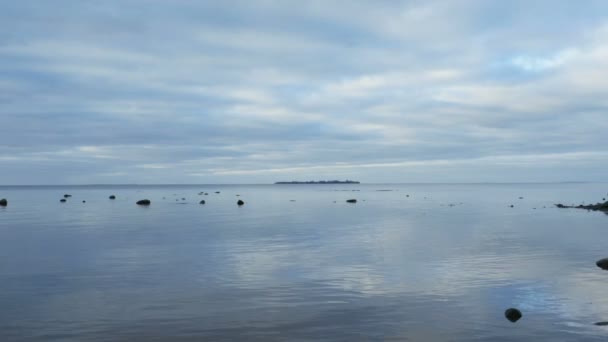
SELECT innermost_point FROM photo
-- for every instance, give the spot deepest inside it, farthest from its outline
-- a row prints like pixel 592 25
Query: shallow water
pixel 442 264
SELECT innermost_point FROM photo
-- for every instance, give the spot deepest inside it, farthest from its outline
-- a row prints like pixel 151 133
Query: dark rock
pixel 3 202
pixel 601 324
pixel 112 197
pixel 84 201
pixel 202 202
pixel 63 200
pixel 511 206
pixel 143 202
pixel 513 315
pixel 240 202
pixel 67 195
pixel 351 201
pixel 217 192
pixel 595 207
pixel 603 264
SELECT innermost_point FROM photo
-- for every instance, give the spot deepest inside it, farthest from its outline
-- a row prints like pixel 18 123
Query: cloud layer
pixel 245 92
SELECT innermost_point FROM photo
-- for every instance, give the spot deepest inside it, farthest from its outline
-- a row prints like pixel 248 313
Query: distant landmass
pixel 321 182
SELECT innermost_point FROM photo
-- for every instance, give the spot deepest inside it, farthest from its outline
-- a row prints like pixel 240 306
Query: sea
pixel 406 262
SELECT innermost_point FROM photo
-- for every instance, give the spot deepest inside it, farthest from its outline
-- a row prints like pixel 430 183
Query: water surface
pixel 434 262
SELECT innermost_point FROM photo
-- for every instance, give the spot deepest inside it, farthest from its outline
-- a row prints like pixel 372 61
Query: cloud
pixel 231 92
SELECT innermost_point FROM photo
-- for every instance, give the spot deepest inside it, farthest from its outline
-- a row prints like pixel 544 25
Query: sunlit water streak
pixel 441 264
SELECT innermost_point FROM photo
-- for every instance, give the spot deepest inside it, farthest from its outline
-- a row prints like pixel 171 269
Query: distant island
pixel 321 182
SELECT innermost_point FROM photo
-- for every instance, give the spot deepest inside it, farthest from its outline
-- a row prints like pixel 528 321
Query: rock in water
pixel 351 201
pixel 603 264
pixel 217 192
pixel 3 202
pixel 63 200
pixel 112 197
pixel 143 202
pixel 67 195
pixel 513 315
pixel 240 202
pixel 84 201
pixel 202 202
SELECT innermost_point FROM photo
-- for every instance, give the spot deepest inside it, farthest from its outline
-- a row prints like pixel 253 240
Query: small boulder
pixel 202 202
pixel 3 202
pixel 240 202
pixel 603 264
pixel 63 200
pixel 513 315
pixel 112 197
pixel 143 202
pixel 351 201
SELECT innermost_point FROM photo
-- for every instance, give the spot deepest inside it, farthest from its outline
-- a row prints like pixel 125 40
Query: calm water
pixel 440 265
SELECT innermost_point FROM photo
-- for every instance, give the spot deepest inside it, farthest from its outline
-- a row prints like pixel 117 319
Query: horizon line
pixel 360 183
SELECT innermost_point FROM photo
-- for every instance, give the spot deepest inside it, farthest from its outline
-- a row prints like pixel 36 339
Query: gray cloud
pixel 239 91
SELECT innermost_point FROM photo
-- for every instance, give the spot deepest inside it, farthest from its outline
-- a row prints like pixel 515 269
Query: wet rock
pixel 513 315
pixel 351 200
pixel 240 202
pixel 112 197
pixel 3 202
pixel 63 200
pixel 202 202
pixel 143 202
pixel 602 263
pixel 595 207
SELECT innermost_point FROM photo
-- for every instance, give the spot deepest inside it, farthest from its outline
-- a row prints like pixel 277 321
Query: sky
pixel 200 92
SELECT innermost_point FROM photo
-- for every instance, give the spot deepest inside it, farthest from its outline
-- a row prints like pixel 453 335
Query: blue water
pixel 297 263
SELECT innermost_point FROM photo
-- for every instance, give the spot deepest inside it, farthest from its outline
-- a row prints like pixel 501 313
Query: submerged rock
pixel 112 197
pixel 3 202
pixel 513 315
pixel 202 202
pixel 240 202
pixel 602 263
pixel 143 202
pixel 351 201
